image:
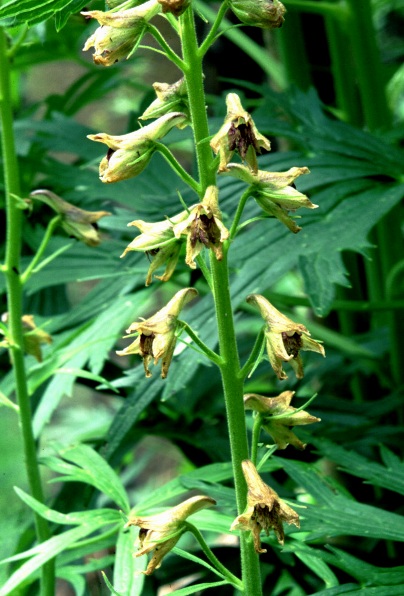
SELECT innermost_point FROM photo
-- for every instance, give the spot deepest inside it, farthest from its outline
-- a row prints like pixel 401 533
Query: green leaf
pixel 91 468
pixel 197 588
pixel 44 552
pixel 390 476
pixel 75 518
pixel 353 589
pixel 18 12
pixel 126 579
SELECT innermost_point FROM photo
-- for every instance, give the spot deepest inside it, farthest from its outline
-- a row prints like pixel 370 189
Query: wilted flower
pixel 284 338
pixel 161 532
pixel 176 7
pixel 158 241
pixel 279 417
pixel 33 336
pixel 203 227
pixel 264 511
pixel 170 98
pixel 76 222
pixel 129 154
pixel 120 31
pixel 157 335
pixel 238 134
pixel 274 191
pixel 267 14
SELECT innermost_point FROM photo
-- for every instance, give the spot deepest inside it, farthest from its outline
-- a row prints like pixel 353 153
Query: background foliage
pixel 110 438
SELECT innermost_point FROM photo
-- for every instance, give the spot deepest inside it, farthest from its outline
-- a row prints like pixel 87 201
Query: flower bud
pixel 161 532
pixel 170 98
pixel 157 335
pixel 278 417
pixel 267 14
pixel 238 134
pixel 264 511
pixel 284 338
pixel 274 191
pixel 176 7
pixel 128 155
pixel 120 32
pixel 75 221
pixel 33 336
pixel 203 228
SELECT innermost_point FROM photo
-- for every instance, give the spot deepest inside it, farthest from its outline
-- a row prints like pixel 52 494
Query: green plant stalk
pixel 230 367
pixel 53 224
pixel 256 432
pixel 11 270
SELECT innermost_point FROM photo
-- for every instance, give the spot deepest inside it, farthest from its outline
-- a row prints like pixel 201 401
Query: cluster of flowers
pixel 200 226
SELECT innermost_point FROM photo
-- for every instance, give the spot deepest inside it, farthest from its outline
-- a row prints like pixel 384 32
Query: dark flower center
pixel 240 138
pixel 204 230
pixel 292 344
pixel 146 344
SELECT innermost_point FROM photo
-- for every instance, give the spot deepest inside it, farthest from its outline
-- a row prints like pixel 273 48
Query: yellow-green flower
pixel 128 155
pixel 274 192
pixel 158 241
pixel 120 32
pixel 238 135
pixel 264 511
pixel 75 221
pixel 157 335
pixel 203 227
pixel 284 338
pixel 161 532
pixel 267 14
pixel 279 417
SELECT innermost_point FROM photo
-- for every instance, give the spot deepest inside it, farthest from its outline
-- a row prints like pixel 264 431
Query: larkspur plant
pixel 188 243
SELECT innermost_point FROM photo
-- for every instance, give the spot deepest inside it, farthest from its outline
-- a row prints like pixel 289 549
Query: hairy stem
pixel 11 270
pixel 230 366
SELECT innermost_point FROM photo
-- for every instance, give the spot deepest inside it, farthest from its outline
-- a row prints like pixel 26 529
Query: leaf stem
pixel 53 224
pixel 207 351
pixel 240 208
pixel 14 297
pixel 168 51
pixel 255 352
pixel 213 559
pixel 177 167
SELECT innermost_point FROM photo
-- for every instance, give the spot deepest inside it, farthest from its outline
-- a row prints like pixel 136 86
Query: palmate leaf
pixel 336 513
pixel 18 12
pixel 390 476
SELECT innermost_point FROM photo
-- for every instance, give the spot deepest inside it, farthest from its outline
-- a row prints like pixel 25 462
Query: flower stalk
pixel 230 367
pixel 11 270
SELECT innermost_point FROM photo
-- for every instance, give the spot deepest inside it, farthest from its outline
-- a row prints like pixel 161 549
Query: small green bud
pixel 170 98
pixel 267 14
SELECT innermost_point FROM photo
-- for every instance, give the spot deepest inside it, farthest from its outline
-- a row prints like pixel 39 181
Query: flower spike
pixel 157 335
pixel 161 532
pixel 264 511
pixel 279 417
pixel 284 338
pixel 238 134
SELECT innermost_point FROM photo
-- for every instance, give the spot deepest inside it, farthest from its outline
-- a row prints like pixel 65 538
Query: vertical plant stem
pixel 230 367
pixel 11 270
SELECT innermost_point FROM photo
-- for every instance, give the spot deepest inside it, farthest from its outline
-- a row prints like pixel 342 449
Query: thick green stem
pixel 14 298
pixel 230 366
